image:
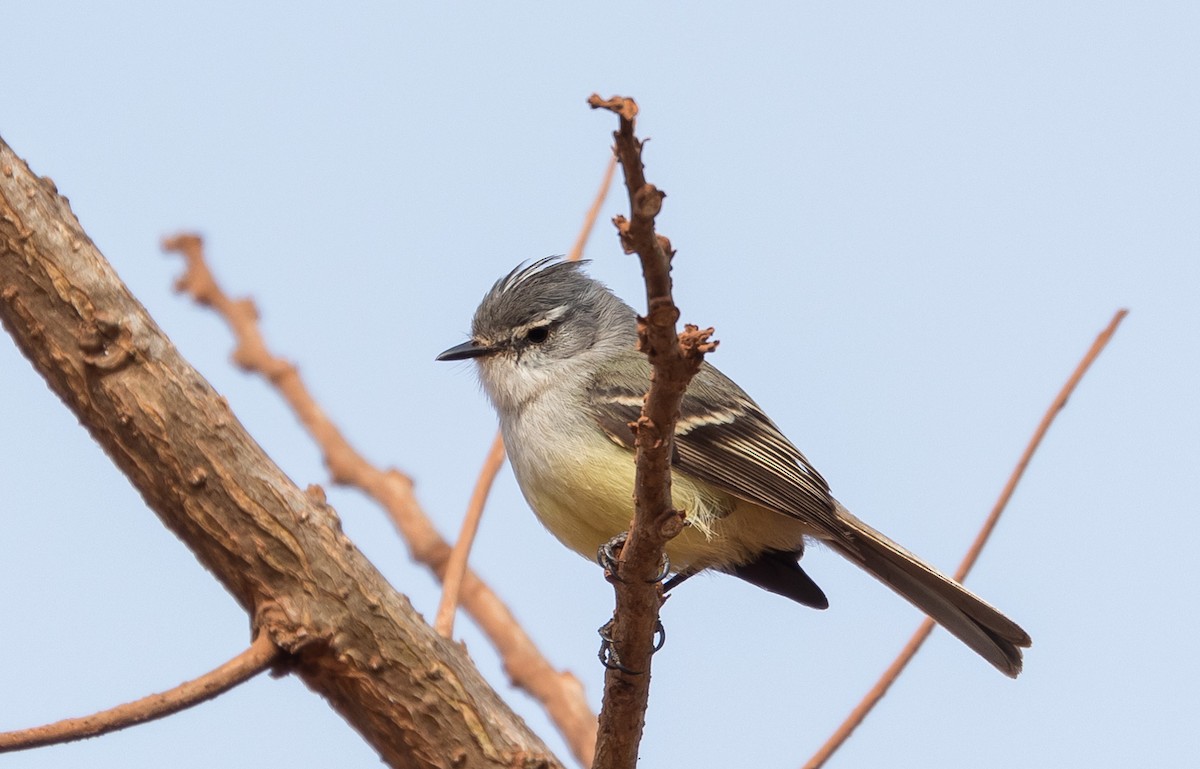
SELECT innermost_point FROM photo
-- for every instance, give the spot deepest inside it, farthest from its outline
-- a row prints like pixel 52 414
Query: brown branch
pixel 277 549
pixel 894 670
pixel 457 564
pixel 560 693
pixel 674 360
pixel 258 657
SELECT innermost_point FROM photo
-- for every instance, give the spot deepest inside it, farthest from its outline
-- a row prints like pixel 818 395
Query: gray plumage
pixel 556 356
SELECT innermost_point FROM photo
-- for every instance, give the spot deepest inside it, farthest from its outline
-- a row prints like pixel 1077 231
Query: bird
pixel 556 353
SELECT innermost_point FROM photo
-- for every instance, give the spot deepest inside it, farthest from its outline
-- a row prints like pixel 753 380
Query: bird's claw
pixel 608 649
pixel 608 556
pixel 609 657
pixel 664 568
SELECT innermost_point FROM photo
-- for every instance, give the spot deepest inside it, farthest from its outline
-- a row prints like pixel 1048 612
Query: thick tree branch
pixel 561 693
pixel 279 551
pixel 674 360
pixel 258 657
pixel 889 676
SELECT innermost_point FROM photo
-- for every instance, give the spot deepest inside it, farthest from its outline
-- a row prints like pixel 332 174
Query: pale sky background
pixel 906 222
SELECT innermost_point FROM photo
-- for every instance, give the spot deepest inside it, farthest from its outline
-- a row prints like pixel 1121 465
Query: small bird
pixel 556 353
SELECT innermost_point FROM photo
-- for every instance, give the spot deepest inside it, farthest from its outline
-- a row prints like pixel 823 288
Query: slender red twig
pixel 258 657
pixel 894 670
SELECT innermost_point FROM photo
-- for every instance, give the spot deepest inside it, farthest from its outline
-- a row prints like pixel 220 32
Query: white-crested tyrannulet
pixel 556 354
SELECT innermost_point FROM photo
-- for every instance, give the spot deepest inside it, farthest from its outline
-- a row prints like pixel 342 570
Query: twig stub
pixel 622 105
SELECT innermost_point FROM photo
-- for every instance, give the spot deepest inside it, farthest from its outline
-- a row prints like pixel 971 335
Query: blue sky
pixel 905 222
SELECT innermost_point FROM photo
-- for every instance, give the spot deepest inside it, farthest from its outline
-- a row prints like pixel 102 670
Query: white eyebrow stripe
pixel 554 314
pixel 550 317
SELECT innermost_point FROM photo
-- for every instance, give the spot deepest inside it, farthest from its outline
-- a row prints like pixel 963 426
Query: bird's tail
pixel 973 621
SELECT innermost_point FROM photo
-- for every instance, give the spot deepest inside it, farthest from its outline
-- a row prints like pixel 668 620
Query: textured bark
pixel 278 550
pixel 674 360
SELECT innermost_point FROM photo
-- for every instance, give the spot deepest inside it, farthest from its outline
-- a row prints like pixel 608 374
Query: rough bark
pixel 278 550
pixel 674 360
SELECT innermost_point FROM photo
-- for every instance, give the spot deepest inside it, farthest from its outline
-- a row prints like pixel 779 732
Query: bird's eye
pixel 538 334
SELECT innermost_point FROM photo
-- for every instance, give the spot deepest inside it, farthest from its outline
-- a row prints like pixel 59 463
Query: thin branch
pixel 589 221
pixel 262 654
pixel 457 564
pixel 674 360
pixel 560 693
pixel 893 671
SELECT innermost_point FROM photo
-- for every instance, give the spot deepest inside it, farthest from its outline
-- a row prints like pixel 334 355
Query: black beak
pixel 466 350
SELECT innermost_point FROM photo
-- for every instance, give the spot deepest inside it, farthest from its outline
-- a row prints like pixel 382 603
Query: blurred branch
pixel 674 360
pixel 457 564
pixel 279 551
pixel 589 221
pixel 258 657
pixel 561 694
pixel 893 671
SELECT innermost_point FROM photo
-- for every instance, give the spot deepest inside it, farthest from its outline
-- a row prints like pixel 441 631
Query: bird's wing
pixel 722 438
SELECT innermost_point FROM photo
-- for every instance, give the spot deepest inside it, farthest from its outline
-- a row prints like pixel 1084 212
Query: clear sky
pixel 905 221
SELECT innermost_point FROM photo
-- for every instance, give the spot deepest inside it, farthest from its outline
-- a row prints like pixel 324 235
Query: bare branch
pixel 456 566
pixel 278 550
pixel 894 670
pixel 560 693
pixel 674 360
pixel 589 221
pixel 258 657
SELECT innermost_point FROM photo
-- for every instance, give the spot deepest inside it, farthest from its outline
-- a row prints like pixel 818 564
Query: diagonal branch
pixel 261 654
pixel 674 360
pixel 456 565
pixel 277 549
pixel 872 698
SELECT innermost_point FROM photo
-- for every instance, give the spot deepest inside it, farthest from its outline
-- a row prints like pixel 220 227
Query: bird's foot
pixel 608 556
pixel 608 649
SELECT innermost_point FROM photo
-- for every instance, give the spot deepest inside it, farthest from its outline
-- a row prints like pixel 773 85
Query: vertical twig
pixel 674 360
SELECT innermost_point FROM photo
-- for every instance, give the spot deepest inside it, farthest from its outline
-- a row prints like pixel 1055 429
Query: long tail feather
pixel 972 620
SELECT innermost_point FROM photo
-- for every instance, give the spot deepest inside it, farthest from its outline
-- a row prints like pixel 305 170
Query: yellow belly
pixel 597 504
